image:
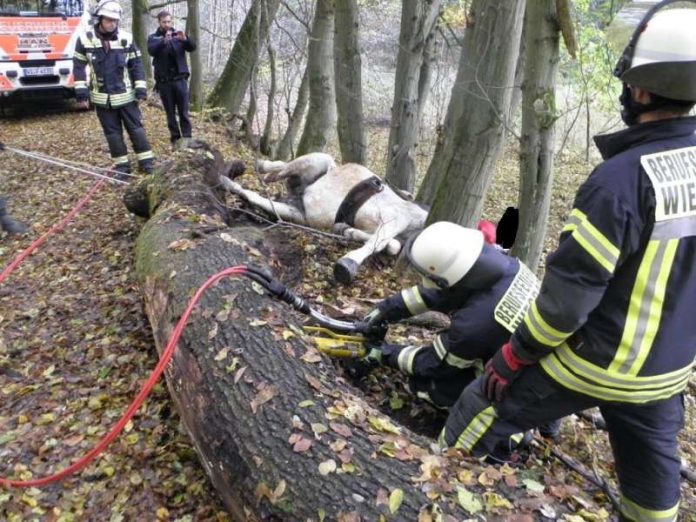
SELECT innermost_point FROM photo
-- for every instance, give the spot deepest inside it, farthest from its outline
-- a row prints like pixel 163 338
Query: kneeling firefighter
pixel 485 292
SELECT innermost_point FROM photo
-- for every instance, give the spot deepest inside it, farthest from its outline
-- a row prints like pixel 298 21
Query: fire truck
pixel 37 38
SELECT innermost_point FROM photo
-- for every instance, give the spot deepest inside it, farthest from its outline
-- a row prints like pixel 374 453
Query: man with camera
pixel 168 47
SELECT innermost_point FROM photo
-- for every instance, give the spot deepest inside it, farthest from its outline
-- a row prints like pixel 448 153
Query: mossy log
pixel 249 401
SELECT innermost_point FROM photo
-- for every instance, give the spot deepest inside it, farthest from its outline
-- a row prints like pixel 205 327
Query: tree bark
pixel 287 144
pixel 234 81
pixel 418 19
pixel 141 15
pixel 459 174
pixel 266 143
pixel 193 28
pixel 226 359
pixel 322 100
pixel 348 71
pixel 538 125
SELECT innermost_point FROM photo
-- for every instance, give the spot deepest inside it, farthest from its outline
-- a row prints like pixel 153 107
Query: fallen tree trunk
pixel 281 436
pixel 241 389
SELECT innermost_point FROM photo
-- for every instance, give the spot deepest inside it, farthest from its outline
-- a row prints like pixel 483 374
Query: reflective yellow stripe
pixel 120 160
pixel 594 381
pixel 592 240
pixel 140 84
pixel 476 429
pixel 99 98
pixel 449 358
pixel 542 331
pixel 406 357
pixel 80 56
pixel 413 300
pixel 633 511
pixel 645 307
pixel 442 438
pixel 148 154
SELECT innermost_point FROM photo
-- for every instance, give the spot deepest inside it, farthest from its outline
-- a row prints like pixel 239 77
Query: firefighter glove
pixel 501 370
pixel 373 326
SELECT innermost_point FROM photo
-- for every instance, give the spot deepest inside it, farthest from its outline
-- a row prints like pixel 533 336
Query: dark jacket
pixel 615 316
pixel 117 76
pixel 482 320
pixel 169 59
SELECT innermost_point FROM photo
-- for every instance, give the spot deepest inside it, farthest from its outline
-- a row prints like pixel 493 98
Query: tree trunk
pixel 234 81
pixel 280 434
pixel 229 362
pixel 266 143
pixel 287 144
pixel 459 174
pixel 538 123
pixel 348 70
pixel 418 19
pixel 193 28
pixel 141 15
pixel 322 100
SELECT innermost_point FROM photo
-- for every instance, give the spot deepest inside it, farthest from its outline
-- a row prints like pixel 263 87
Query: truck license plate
pixel 38 71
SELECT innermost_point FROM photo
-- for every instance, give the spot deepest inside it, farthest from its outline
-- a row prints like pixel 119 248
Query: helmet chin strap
pixel 631 109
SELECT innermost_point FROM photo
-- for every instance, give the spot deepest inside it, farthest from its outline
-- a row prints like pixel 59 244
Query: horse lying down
pixel 348 199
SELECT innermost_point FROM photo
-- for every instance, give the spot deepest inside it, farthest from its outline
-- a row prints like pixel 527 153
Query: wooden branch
pixel 565 23
pixel 154 7
pixel 295 15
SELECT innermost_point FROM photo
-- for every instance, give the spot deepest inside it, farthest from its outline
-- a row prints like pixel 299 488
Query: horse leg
pixel 347 267
pixel 285 211
pixel 393 246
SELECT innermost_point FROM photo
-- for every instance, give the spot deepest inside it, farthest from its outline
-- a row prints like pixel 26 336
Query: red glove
pixel 488 230
pixel 500 371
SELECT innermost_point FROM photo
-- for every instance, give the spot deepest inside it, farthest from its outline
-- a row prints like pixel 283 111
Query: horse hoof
pixel 345 270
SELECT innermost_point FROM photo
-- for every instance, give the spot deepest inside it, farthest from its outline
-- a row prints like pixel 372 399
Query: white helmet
pixel 109 8
pixel 445 252
pixel 661 56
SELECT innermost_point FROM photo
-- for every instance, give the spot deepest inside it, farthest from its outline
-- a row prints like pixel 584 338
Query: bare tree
pixel 193 28
pixel 416 38
pixel 141 15
pixel 347 67
pixel 286 145
pixel 538 122
pixel 266 143
pixel 322 106
pixel 459 174
pixel 234 81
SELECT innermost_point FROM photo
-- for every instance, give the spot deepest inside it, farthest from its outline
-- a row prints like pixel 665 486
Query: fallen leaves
pixel 327 467
pixel 263 396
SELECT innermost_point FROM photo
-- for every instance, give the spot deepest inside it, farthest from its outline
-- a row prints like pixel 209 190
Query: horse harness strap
pixel 356 198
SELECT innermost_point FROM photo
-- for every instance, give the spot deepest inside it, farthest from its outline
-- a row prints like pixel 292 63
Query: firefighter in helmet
pixel 484 291
pixel 613 324
pixel 116 85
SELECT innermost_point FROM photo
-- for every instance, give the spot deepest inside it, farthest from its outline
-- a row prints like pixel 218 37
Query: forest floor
pixel 75 344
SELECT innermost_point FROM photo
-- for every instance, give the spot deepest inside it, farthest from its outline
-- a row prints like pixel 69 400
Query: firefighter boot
pixel 8 223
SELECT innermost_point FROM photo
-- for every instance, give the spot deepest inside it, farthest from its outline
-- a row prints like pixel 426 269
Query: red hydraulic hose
pixel 55 228
pixel 139 399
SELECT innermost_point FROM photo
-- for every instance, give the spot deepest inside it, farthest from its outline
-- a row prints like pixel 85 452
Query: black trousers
pixel 643 436
pixel 175 98
pixel 113 121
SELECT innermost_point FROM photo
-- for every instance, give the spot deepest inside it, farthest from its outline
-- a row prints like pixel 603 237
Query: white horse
pixel 348 199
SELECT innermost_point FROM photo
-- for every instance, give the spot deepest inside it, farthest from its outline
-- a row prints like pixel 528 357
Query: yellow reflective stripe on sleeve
pixel 413 300
pixel 406 358
pixel 592 240
pixel 449 358
pixel 633 511
pixel 80 84
pixel 80 56
pixel 476 429
pixel 645 307
pixel 140 84
pixel 587 379
pixel 148 154
pixel 542 331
